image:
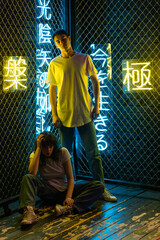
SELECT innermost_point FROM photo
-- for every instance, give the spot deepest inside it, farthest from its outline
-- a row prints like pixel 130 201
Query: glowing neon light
pixel 45 11
pixel 42 80
pixel 44 33
pixel 92 46
pixel 102 61
pixel 14 73
pixel 40 120
pixel 43 100
pixel 102 77
pixel 100 123
pixel 42 56
pixel 102 144
pixel 136 76
pixel 100 55
pixel 109 67
pixel 103 102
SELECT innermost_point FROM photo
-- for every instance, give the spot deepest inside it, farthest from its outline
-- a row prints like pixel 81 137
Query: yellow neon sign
pixel 136 76
pixel 14 73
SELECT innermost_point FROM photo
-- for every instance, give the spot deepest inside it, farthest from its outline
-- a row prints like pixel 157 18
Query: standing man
pixel 68 74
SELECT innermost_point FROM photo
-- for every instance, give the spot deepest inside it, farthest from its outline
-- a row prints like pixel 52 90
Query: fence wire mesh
pixel 132 29
pixel 18 45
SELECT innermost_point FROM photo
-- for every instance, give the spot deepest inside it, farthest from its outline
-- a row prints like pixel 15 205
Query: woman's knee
pixel 29 177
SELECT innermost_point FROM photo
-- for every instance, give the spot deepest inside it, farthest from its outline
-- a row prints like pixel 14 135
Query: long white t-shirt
pixel 70 75
pixel 53 171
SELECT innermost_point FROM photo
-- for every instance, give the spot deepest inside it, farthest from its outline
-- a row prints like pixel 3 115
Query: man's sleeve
pixel 50 76
pixel 90 66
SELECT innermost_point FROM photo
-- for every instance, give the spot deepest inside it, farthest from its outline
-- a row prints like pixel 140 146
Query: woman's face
pixel 47 151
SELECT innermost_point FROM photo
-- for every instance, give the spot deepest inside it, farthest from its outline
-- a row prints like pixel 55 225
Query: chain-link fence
pixel 22 25
pixel 128 130
pixel 132 29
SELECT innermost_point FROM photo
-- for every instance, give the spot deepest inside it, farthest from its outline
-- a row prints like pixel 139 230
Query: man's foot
pixel 62 210
pixel 108 197
pixel 29 216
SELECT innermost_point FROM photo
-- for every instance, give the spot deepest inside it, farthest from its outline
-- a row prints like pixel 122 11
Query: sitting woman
pixel 54 168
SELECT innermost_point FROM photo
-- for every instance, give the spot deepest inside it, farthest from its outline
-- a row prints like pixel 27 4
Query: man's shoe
pixel 108 197
pixel 29 216
pixel 62 210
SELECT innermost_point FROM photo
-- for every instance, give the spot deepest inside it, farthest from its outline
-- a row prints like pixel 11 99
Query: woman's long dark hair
pixel 49 140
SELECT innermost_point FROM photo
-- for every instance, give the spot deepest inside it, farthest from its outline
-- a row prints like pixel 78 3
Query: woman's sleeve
pixel 31 156
pixel 65 155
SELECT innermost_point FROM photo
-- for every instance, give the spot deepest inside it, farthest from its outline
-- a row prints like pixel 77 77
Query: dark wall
pixel 18 27
pixel 132 28
pixel 17 38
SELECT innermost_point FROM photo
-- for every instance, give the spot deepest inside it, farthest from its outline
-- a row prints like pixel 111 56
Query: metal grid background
pixel 132 28
pixel 18 108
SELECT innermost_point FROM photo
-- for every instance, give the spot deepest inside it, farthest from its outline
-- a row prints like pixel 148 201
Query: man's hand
pixel 56 121
pixel 95 113
pixel 68 201
pixel 96 91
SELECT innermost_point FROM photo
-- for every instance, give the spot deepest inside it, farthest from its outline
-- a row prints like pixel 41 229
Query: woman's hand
pixel 39 140
pixel 68 201
pixel 34 161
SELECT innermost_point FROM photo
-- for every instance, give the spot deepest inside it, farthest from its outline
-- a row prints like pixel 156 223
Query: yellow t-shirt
pixel 70 75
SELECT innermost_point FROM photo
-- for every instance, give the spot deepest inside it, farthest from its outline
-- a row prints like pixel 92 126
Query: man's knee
pixel 99 185
pixel 93 154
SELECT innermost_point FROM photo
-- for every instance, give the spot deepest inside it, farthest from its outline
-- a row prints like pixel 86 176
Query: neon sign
pixel 136 76
pixel 43 58
pixel 44 33
pixel 102 61
pixel 45 11
pixel 14 73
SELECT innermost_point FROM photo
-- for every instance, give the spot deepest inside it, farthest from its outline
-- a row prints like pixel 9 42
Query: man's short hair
pixel 59 32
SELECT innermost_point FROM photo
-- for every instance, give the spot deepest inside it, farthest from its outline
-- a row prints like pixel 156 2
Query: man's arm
pixel 96 91
pixel 53 102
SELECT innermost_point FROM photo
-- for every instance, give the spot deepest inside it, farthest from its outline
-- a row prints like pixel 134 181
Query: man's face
pixel 62 42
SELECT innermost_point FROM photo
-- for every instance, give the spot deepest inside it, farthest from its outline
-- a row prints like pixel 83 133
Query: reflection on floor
pixel 136 215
